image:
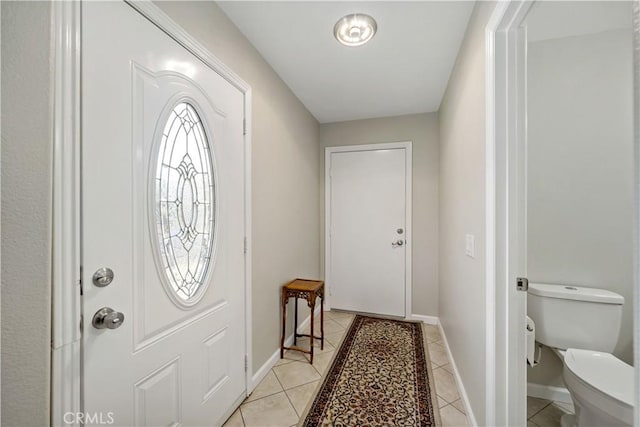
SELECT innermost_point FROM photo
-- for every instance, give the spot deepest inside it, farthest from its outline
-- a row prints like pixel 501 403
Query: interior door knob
pixel 106 318
pixel 398 242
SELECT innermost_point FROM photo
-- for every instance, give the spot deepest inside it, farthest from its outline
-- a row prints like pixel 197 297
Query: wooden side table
pixel 309 290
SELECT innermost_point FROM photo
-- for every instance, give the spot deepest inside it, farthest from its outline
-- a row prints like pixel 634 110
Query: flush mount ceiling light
pixel 355 29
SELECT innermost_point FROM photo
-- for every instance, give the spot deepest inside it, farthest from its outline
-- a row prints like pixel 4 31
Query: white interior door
pixel 368 230
pixel 163 208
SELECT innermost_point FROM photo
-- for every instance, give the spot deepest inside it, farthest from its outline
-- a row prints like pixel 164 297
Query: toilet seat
pixel 602 380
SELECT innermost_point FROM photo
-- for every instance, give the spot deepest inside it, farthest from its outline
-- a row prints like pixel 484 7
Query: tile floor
pixel 283 394
pixel 545 413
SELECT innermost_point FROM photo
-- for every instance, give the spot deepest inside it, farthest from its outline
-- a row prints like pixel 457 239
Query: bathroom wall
pixel 26 212
pixel 422 130
pixel 580 172
pixel 284 166
pixel 462 211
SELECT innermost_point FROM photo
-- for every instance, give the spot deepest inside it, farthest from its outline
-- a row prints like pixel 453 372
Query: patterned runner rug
pixel 380 376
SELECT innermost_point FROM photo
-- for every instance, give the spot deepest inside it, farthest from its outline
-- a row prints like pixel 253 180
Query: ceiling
pixel 553 20
pixel 404 69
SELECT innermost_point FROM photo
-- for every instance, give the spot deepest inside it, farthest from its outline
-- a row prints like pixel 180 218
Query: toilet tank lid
pixel 577 293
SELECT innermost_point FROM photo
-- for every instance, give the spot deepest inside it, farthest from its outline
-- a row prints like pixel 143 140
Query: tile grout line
pixel 286 395
pixel 456 409
pixel 540 410
pixel 277 379
pixel 241 416
pixel 292 405
pixel 266 395
pixel 299 385
pixel 438 342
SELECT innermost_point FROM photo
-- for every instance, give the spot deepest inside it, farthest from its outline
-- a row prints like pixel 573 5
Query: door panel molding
pixel 66 286
pixel 406 145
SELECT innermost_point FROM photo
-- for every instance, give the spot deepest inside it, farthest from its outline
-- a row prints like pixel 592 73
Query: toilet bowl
pixel 601 387
pixel 585 322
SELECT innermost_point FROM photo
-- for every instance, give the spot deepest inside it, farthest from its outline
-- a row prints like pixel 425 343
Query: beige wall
pixel 284 167
pixel 462 210
pixel 422 130
pixel 580 172
pixel 26 209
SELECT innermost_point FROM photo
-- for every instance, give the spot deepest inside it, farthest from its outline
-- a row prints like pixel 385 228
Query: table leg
pixel 312 305
pixel 295 324
pixel 322 322
pixel 284 322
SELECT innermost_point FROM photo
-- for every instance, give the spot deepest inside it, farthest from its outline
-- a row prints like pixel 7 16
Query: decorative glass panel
pixel 185 197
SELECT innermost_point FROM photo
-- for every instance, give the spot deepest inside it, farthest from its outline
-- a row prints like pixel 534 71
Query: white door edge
pixel 505 206
pixel 406 145
pixel 636 190
pixel 66 299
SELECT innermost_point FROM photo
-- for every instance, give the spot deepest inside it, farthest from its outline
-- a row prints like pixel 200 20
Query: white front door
pixel 367 230
pixel 163 208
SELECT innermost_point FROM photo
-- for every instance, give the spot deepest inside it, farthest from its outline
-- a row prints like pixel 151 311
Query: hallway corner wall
pixel 462 211
pixel 27 141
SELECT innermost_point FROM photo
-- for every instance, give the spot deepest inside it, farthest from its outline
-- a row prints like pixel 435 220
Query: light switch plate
pixel 470 245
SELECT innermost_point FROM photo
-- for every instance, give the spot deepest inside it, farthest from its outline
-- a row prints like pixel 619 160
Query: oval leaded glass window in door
pixel 185 202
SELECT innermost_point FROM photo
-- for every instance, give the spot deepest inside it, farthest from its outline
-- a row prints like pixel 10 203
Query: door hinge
pixel 246 244
pixel 80 282
pixel 522 284
pixel 246 362
pixel 244 126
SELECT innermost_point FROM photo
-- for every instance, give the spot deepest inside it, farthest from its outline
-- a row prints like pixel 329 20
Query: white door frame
pixel 406 145
pixel 636 188
pixel 506 213
pixel 506 210
pixel 66 250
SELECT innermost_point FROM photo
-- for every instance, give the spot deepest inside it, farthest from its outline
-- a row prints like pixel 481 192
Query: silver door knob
pixel 398 242
pixel 102 277
pixel 106 318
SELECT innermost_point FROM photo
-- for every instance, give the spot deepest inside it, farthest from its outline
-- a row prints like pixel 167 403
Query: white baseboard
pixel 271 361
pixel 471 419
pixel 557 394
pixel 265 368
pixel 429 320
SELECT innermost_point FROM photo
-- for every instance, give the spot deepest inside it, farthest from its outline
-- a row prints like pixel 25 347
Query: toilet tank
pixel 575 317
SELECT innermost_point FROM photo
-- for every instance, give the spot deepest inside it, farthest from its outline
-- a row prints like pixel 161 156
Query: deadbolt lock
pixel 102 277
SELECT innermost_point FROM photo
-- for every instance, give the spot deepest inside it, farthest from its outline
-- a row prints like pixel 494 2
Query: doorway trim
pixel 636 205
pixel 66 384
pixel 406 145
pixel 505 85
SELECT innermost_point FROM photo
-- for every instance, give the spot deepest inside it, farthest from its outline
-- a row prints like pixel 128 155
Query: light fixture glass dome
pixel 355 29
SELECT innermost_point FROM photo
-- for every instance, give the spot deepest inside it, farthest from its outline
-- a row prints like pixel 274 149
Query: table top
pixel 304 285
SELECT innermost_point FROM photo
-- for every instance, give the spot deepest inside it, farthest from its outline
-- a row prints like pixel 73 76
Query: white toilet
pixel 582 326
